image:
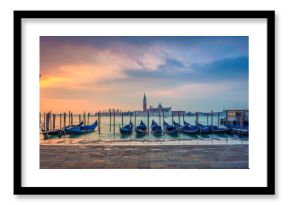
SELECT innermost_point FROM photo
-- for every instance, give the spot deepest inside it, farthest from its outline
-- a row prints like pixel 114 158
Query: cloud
pixel 102 71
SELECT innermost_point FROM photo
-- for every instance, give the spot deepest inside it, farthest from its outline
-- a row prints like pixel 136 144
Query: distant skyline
pixel 191 73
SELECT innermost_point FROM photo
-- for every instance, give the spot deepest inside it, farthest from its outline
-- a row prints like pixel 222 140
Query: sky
pixel 95 73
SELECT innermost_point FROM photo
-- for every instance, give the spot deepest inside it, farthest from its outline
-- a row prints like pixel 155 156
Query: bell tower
pixel 144 103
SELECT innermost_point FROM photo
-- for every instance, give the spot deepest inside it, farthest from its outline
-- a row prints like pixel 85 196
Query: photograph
pixel 144 102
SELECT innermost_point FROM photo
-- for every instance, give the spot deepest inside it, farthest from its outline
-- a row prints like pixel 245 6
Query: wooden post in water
pixel 218 119
pixel 110 120
pixel 99 120
pixel 159 118
pixel 196 118
pixel 178 117
pixel 46 122
pixel 114 120
pixel 88 118
pixel 130 116
pixel 122 119
pixel 64 119
pixel 206 118
pixel 135 119
pixel 44 116
pixel 183 116
pixel 226 123
pixel 50 120
pixel 69 121
pixel 148 120
pixel 72 119
pixel 163 119
pixel 211 117
pixel 242 119
pixel 60 116
pixel 171 117
pixel 84 118
pixel 80 118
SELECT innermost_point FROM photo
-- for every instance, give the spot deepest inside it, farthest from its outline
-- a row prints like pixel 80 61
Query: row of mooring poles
pixel 49 120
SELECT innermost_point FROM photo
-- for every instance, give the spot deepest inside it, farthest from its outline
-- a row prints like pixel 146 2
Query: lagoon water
pixel 107 133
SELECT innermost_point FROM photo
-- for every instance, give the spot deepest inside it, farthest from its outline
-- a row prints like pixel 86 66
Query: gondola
pixel 170 129
pixel 218 130
pixel 155 128
pixel 127 129
pixel 204 129
pixel 187 128
pixel 78 130
pixel 59 132
pixel 141 128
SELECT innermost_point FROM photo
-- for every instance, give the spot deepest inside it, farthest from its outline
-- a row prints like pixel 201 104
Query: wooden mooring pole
pixel 69 118
pixel 88 118
pixel 159 118
pixel 60 116
pixel 50 119
pixel 84 118
pixel 110 120
pixel 47 121
pixel 218 119
pixel 80 118
pixel 135 119
pixel 183 117
pixel 99 120
pixel 206 118
pixel 148 120
pixel 114 120
pixel 178 117
pixel 64 119
pixel 44 116
pixel 211 118
pixel 122 119
pixel 171 117
pixel 163 119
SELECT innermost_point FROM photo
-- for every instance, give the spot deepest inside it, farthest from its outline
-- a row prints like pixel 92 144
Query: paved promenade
pixel 144 157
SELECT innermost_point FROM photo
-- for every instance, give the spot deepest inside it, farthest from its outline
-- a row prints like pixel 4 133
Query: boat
pixel 237 129
pixel 141 128
pixel 218 130
pixel 187 128
pixel 127 129
pixel 59 132
pixel 155 128
pixel 78 130
pixel 170 129
pixel 203 129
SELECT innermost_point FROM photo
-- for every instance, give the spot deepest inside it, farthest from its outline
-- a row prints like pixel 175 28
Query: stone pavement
pixel 144 157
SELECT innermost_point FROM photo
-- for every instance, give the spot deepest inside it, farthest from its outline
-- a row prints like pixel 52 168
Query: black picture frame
pixel 269 189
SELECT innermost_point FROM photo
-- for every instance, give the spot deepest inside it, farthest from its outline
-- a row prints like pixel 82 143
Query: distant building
pixel 160 108
pixel 178 112
pixel 153 111
pixel 144 103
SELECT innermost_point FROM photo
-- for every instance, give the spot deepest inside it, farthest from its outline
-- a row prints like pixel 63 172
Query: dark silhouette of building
pixel 144 103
